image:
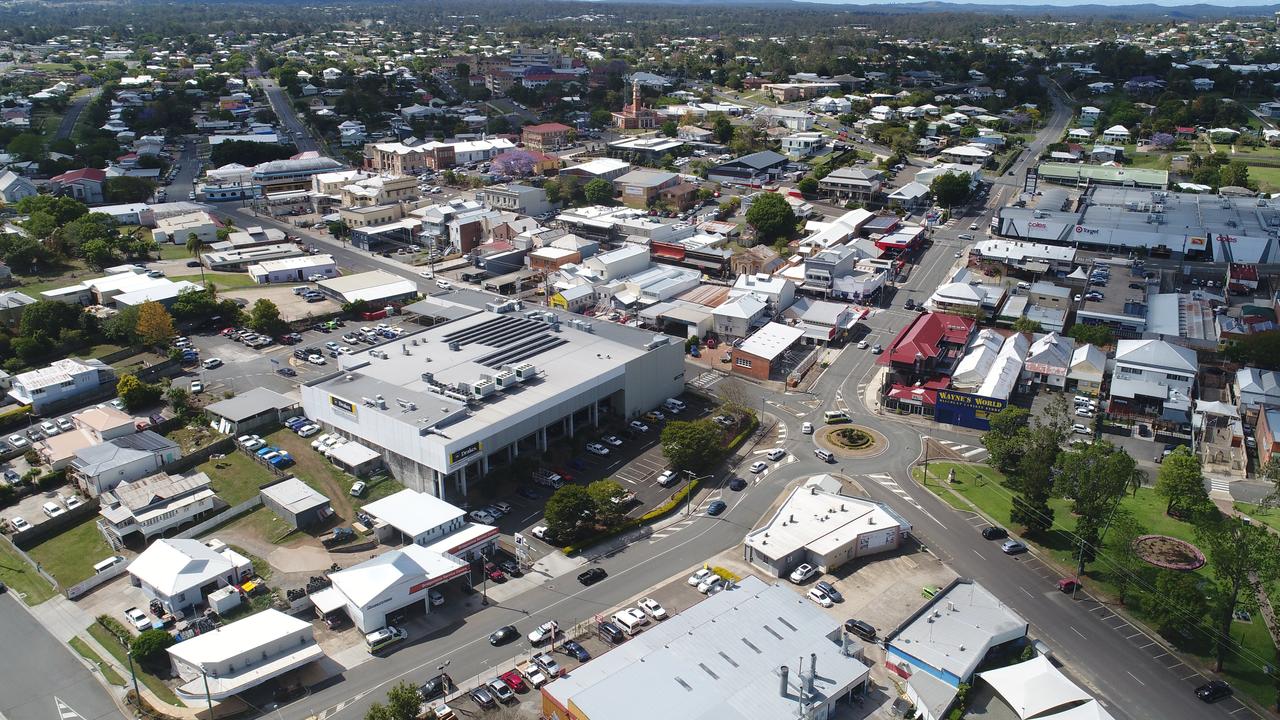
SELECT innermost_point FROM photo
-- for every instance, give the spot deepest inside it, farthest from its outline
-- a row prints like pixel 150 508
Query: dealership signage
pixel 343 405
pixel 966 409
pixel 465 453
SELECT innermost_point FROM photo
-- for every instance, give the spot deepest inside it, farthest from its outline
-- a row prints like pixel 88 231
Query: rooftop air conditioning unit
pixel 525 372
pixel 453 345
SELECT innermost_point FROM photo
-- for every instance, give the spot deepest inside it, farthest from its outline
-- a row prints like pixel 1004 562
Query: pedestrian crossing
pixel 887 482
pixel 968 452
pixel 673 528
pixel 64 710
pixel 1221 485
pixel 706 380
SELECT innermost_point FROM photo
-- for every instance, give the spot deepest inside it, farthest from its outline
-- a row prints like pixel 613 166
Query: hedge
pixel 14 417
pixel 672 503
pixel 746 433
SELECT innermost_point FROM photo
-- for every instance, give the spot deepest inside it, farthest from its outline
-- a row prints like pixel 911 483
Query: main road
pixel 283 108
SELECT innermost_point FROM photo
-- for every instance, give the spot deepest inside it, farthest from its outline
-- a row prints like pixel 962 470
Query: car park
pixel 803 573
pixel 592 576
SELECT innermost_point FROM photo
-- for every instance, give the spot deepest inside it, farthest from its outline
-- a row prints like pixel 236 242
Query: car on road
pixel 806 428
pixel 863 344
pixel 500 690
pixel 597 449
pixel 544 632
pixel 212 363
pixel 539 532
pixel 959 254
pixel 830 590
pixel 576 651
pixel 820 597
pixel 737 484
pixel 287 372
pixel 1213 691
pixel 503 635
pixel 357 488
pixel 776 454
pixel 197 386
pixel 592 576
pixel 716 507
pixel 758 467
pixel 876 349
pixel 803 573
pixel 138 619
pixel 639 426
pixel 1012 547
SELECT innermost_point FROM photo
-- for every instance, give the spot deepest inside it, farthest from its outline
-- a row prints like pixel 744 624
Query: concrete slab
pixel 299 559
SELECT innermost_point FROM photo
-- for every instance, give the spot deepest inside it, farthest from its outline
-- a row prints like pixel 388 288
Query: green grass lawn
pixel 153 683
pixel 1152 161
pixel 1268 178
pixel 97 351
pixel 264 523
pixel 235 477
pixel 170 251
pixel 70 555
pixel 223 281
pixel 21 577
pixel 107 670
pixel 983 486
pixel 1267 516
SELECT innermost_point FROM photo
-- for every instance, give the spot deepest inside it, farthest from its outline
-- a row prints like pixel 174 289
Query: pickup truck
pixel 533 673
pixel 542 476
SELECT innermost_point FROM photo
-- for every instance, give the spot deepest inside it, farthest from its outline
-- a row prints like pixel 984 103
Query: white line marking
pixel 1074 630
pixel 1135 677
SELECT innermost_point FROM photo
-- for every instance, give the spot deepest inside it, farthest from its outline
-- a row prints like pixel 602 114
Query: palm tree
pixel 193 249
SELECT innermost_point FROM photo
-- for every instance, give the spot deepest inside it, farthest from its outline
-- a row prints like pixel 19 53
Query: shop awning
pixel 328 600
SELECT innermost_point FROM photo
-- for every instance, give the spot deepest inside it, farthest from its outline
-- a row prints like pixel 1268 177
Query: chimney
pixel 782 685
pixel 813 673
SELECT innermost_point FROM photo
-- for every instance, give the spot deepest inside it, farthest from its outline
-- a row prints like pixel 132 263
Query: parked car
pixel 652 609
pixel 639 426
pixel 514 681
pixel 484 697
pixel 576 651
pixel 64 423
pixel 1012 547
pixel 138 619
pixel 861 628
pixel 357 488
pixel 994 533
pixel 500 690
pixel 803 573
pixel 819 597
pixel 19 524
pixel 698 576
pixel 1213 691
pixel 597 449
pixel 830 590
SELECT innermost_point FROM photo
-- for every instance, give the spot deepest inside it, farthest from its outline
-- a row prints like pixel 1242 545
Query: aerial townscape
pixel 563 360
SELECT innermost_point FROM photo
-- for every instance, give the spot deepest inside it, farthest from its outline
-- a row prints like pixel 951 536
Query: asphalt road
pixel 72 116
pixel 283 108
pixel 40 671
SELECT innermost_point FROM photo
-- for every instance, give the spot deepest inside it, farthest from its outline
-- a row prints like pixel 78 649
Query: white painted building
pixel 295 269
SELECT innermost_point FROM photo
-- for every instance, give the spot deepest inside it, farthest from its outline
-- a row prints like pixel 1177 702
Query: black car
pixel 483 697
pixel 503 635
pixel 716 507
pixel 994 533
pixel 830 590
pixel 193 263
pixel 1213 691
pixel 610 633
pixel 528 493
pixel 300 353
pixel 737 484
pixel 576 651
pixel 287 372
pixel 592 576
pixel 510 567
pixel 861 628
pixel 437 686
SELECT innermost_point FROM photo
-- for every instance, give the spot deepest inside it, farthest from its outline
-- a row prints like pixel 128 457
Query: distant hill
pixel 1109 9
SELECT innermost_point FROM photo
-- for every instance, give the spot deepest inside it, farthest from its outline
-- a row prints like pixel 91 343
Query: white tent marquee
pixel 1034 688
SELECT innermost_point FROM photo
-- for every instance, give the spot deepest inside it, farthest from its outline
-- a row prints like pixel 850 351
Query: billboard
pixel 465 453
pixel 343 405
pixel 966 410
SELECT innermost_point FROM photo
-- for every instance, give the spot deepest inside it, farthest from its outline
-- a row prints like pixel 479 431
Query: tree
pixel 179 399
pixel 1234 173
pixel 194 246
pixel 155 324
pixel 1026 325
pixel 598 191
pixel 127 189
pixel 135 393
pixel 403 703
pixel 1176 601
pixel 807 185
pixel 63 209
pixel 722 129
pixel 669 128
pixel 1260 350
pixel 603 493
pixel 1095 478
pixel 1181 483
pixel 693 446
pixel 1126 567
pixel 122 328
pixel 1004 440
pixel 48 318
pixel 1099 335
pixel 264 317
pixel 1032 513
pixel 950 189
pixel 1244 557
pixel 565 509
pixel 98 253
pixel 149 646
pixel 27 146
pixel 771 216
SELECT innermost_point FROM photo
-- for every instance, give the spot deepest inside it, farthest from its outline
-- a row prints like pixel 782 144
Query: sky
pixel 1063 3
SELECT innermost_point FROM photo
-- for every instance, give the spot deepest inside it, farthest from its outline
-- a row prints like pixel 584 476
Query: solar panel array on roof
pixel 519 353
pixel 498 332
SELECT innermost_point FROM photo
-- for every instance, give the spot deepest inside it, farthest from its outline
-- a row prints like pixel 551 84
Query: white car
pixel 776 454
pixel 539 532
pixel 1084 412
pixel 697 577
pixel 807 428
pixel 316 359
pixel 49 429
pixel 613 440
pixel 52 509
pixel 481 517
pixel 545 631
pixel 17 441
pixel 597 449
pixel 711 585
pixel 138 619
pixel 254 444
pixel 668 477
pixel 212 363
pixel 639 426
pixel 534 674
pixel 758 467
pixel 863 345
pixel 307 431
pixel 71 501
pixel 64 423
pixel 357 488
pixel 344 350
pixel 197 386
pixel 19 524
pixel 803 573
pixel 820 597
pixel 1080 429
pixel 652 608
pixel 320 441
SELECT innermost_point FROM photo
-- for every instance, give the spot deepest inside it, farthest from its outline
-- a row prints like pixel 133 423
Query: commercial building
pixel 374 287
pixel 152 505
pixel 642 188
pixel 921 359
pixel 1049 359
pixel 1153 378
pixel 176 229
pixel 759 355
pixel 942 644
pixel 295 269
pixel 514 197
pixel 1254 388
pixel 546 137
pixel 853 183
pixel 754 169
pixel 1267 434
pixel 242 655
pixel 179 572
pixel 819 526
pixel 484 385
pixel 296 503
pixel 644 150
pixel 61 383
pixel 603 168
pixel 1030 257
pixel 731 656
pixel 240 260
pixel 252 410
pixel 395 581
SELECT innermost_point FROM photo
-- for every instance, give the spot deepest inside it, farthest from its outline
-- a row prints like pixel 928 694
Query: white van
pixel 674 404
pixel 835 416
pixel 384 637
pixel 824 455
pixel 629 624
pixel 105 565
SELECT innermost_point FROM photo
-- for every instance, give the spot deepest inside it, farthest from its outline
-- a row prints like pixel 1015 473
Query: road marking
pixel 1135 677
pixel 1130 637
pixel 64 710
pixel 892 486
pixel 1028 592
pixel 975 552
pixel 1074 630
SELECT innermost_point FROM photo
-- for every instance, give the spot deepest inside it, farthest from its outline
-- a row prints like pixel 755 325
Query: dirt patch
pixel 1169 553
pixel 852 441
pixel 292 307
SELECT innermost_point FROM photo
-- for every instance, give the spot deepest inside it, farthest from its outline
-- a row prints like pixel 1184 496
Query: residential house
pixel 693 133
pixel 14 187
pixel 1101 87
pixel 739 316
pixel 804 144
pixel 12 304
pixel 99 468
pixel 1153 378
pixel 84 185
pixel 912 196
pixel 93 426
pixel 1255 388
pixel 1267 434
pixel 1049 359
pixel 754 169
pixel 1202 84
pixel 1088 369
pixel 180 573
pixel 862 184
pixel 1089 115
pixel 152 505
pixel 62 382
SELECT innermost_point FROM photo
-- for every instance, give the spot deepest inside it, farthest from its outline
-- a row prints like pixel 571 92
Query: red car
pixel 494 573
pixel 564 475
pixel 1069 584
pixel 227 331
pixel 514 681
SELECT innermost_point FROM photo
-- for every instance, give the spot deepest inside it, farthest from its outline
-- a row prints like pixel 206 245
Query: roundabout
pixel 852 441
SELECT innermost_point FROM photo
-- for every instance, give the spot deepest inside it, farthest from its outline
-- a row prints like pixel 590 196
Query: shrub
pixel 148 648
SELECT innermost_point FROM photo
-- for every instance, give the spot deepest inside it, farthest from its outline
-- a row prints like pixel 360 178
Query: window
pixel 742 362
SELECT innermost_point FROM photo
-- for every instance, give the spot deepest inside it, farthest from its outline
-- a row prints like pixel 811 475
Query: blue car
pixel 716 507
pixel 576 651
pixel 296 422
pixel 263 451
pixel 282 461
